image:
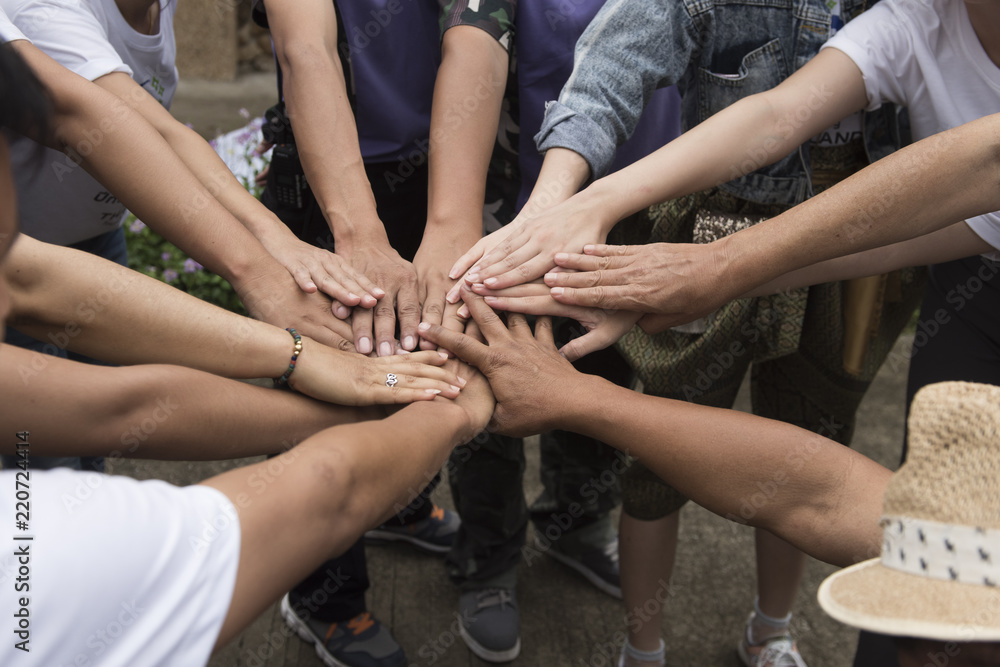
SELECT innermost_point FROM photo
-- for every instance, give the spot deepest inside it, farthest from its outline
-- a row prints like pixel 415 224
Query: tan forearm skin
pixel 823 497
pixel 919 189
pixel 162 412
pixel 86 304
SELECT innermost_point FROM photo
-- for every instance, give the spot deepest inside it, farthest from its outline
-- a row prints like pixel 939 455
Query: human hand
pixel 431 263
pixel 397 278
pixel 347 378
pixel 529 378
pixel 313 268
pixel 677 282
pixel 528 245
pixel 476 397
pixel 604 327
pixel 272 296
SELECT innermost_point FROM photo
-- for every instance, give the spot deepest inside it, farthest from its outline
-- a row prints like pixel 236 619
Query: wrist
pixel 603 204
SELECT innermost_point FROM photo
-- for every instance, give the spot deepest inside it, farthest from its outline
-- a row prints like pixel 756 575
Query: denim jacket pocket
pixel 761 69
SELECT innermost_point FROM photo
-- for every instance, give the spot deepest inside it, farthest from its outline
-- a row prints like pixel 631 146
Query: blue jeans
pixel 111 246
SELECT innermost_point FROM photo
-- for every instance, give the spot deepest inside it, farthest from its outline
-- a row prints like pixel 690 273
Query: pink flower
pixel 137 226
pixel 190 266
pixel 170 275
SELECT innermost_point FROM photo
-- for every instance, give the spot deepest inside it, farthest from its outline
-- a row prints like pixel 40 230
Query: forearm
pixel 162 412
pixel 315 93
pixel 920 189
pixel 86 304
pixel 394 458
pixel 213 173
pixel 953 242
pixel 155 185
pixel 473 67
pixel 563 173
pixel 820 496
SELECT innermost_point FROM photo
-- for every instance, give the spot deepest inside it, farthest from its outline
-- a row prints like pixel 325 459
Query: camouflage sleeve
pixel 494 16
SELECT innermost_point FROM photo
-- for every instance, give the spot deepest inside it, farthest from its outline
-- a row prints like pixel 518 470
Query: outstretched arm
pixel 473 70
pixel 134 162
pixel 823 497
pixel 754 131
pixel 87 304
pixel 155 411
pixel 315 93
pixel 920 189
pixel 335 486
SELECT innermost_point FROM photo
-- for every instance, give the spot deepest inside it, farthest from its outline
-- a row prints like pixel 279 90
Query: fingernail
pixel 444 355
pixel 588 248
pixel 352 295
pixel 491 299
pixel 454 388
pixel 561 255
pixel 364 346
pixel 454 274
pixel 402 352
pixel 369 300
pixel 490 282
pixel 549 276
pixel 378 292
pixel 384 350
pixel 433 391
pixel 472 278
pixel 557 291
pixel 452 297
pixel 423 326
pixel 475 269
pixel 462 381
pixel 408 343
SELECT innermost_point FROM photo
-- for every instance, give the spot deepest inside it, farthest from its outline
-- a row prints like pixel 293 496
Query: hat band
pixel 941 551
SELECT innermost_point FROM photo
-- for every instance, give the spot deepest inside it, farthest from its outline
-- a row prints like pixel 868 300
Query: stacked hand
pixel 672 283
pixel 375 329
pixel 604 326
pixel 347 378
pixel 525 249
pixel 528 376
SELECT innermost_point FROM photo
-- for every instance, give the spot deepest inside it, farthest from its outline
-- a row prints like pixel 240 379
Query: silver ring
pixel 390 380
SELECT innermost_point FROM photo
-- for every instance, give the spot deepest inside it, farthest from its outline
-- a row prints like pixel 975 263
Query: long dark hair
pixel 25 106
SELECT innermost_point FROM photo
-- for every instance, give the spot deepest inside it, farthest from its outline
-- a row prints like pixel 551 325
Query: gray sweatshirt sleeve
pixel 630 49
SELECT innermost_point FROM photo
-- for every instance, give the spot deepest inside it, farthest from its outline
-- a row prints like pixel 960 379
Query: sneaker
pixel 489 623
pixel 359 642
pixel 592 551
pixel 435 534
pixel 779 651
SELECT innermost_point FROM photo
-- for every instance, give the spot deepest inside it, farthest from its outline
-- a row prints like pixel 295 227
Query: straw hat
pixel 939 573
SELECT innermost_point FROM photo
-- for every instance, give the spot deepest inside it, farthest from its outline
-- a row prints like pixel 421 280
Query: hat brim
pixel 873 597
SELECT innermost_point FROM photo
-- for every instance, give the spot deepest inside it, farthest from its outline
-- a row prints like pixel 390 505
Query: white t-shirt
pixel 8 33
pixel 925 55
pixel 118 572
pixel 59 202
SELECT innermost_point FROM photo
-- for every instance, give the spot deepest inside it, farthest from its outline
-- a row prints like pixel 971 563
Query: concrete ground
pixel 564 620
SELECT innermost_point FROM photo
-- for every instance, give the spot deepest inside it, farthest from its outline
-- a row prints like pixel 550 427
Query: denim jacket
pixel 716 52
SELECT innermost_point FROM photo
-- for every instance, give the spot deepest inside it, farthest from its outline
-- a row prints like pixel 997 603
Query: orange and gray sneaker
pixel 435 533
pixel 357 642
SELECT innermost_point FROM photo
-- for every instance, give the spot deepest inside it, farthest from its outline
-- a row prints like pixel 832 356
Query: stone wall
pixel 216 40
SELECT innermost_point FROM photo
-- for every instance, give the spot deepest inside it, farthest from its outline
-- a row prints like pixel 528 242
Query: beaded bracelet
pixel 296 351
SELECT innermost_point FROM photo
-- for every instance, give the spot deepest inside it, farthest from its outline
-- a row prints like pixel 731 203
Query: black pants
pixel 336 590
pixel 957 338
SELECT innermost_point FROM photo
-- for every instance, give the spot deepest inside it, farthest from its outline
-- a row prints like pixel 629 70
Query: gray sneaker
pixel 359 642
pixel 592 551
pixel 490 623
